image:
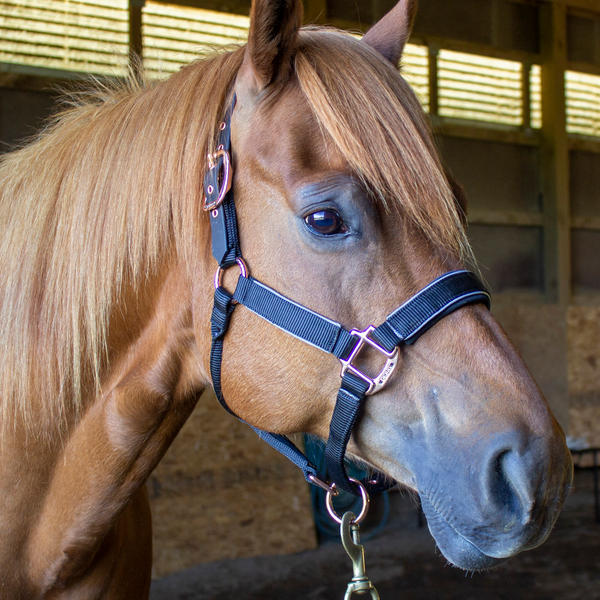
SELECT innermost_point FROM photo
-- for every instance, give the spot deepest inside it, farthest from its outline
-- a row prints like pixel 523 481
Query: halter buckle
pixel 378 382
pixel 222 180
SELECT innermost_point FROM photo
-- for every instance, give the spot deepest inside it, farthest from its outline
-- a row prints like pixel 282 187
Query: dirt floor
pixel 403 563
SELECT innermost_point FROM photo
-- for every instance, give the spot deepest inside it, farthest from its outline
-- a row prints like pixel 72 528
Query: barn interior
pixel 512 90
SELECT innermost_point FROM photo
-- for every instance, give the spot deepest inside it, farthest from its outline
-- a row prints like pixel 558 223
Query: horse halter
pixel 403 326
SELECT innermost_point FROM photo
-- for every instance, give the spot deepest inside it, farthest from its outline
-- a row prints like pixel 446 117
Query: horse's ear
pixel 389 35
pixel 274 27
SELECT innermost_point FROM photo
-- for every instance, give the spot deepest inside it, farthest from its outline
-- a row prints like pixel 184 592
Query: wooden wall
pixel 583 337
pixel 221 492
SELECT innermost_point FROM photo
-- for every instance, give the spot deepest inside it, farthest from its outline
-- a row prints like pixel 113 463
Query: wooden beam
pixel 475 48
pixel 434 50
pixel 582 67
pixel 489 132
pixel 136 43
pixel 584 143
pixel 589 5
pixel 315 12
pixel 26 77
pixel 555 154
pixel 589 223
pixel 506 217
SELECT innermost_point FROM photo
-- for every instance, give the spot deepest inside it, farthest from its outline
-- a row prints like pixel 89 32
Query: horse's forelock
pixel 375 120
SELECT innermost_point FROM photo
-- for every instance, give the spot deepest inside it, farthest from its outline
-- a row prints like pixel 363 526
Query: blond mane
pixel 114 183
pixel 108 187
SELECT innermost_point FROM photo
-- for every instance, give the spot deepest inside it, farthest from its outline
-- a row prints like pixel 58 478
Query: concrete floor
pixel 403 563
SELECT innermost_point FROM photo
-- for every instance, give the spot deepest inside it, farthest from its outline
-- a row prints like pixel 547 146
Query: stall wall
pixel 221 492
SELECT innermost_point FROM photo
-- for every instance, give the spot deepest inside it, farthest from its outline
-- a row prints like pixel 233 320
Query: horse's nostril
pixel 503 487
pixel 512 486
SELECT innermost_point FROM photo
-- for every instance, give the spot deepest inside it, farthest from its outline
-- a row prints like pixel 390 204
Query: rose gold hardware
pixel 225 181
pixel 365 508
pixel 376 383
pixel 220 271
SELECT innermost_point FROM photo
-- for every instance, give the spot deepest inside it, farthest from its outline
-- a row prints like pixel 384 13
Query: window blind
pixel 535 96
pixel 583 103
pixel 175 35
pixel 76 35
pixel 415 68
pixel 479 88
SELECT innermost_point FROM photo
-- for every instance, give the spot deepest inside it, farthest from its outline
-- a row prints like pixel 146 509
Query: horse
pixel 343 206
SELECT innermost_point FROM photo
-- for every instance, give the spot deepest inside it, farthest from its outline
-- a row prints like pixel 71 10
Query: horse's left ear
pixel 389 35
pixel 274 26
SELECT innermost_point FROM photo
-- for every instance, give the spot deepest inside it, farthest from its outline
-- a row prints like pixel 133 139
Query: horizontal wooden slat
pixel 79 35
pixel 64 12
pixel 174 35
pixel 521 218
pixel 589 223
pixel 57 34
pixel 582 93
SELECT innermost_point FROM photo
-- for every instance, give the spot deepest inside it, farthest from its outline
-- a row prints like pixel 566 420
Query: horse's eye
pixel 326 222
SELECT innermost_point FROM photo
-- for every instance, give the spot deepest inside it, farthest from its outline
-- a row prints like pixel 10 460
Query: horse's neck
pixel 155 378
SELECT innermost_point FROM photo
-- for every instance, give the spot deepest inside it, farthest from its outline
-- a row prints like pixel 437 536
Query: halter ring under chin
pixel 365 508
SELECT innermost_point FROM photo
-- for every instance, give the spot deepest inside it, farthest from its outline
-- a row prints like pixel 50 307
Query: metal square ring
pixel 378 382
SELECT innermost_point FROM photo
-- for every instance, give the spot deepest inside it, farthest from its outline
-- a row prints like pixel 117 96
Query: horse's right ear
pixel 274 26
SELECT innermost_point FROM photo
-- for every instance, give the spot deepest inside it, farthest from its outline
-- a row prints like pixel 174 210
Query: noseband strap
pixel 402 327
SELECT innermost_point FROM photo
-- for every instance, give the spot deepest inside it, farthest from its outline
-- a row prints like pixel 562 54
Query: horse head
pixel 343 206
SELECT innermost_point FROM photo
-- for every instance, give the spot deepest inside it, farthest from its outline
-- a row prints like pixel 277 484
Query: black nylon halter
pixel 403 326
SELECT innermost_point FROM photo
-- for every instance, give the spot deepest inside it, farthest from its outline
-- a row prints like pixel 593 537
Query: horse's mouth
pixel 456 548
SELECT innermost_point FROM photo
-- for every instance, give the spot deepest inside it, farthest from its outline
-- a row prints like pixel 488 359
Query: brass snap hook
pixel 360 584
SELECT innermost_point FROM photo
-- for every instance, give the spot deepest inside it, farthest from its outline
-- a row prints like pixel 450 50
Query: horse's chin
pixel 456 548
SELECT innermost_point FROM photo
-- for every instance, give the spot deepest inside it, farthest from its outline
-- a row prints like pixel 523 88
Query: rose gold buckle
pixel 225 180
pixel 378 382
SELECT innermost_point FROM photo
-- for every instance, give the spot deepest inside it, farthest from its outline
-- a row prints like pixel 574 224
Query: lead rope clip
pixel 349 531
pixel 360 584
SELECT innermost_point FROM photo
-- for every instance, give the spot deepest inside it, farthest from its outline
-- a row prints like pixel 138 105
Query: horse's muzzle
pixel 482 515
